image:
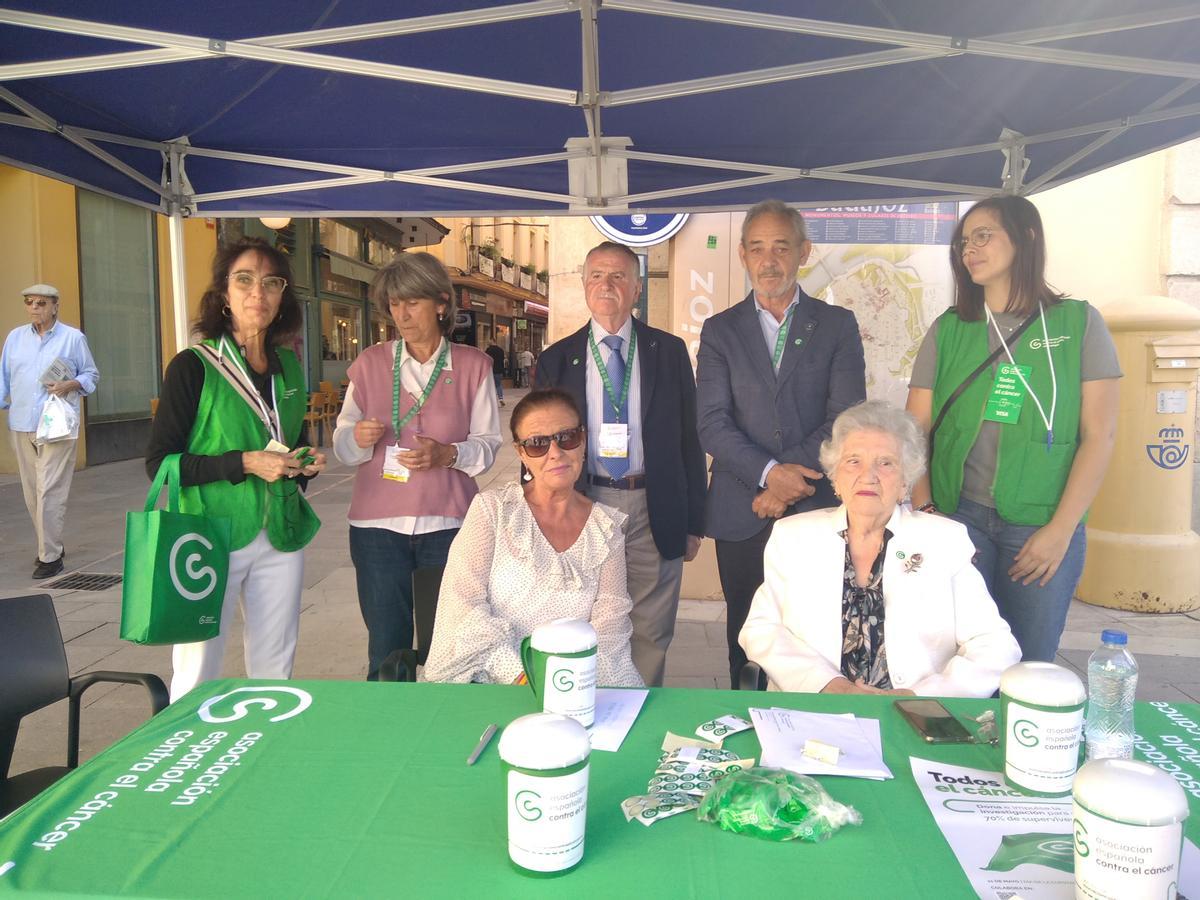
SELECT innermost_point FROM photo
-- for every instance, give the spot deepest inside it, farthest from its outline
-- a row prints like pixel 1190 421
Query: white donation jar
pixel 1041 714
pixel 544 757
pixel 1128 827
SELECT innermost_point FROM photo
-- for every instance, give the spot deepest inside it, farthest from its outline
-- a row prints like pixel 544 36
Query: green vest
pixel 1029 479
pixel 224 422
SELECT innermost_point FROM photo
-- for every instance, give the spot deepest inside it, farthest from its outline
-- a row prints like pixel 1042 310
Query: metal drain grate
pixel 85 581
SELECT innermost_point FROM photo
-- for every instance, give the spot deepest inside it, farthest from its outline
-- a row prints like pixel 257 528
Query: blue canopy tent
pixel 461 107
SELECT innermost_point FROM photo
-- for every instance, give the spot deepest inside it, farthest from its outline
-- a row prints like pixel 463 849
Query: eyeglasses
pixel 977 238
pixel 539 445
pixel 40 303
pixel 271 284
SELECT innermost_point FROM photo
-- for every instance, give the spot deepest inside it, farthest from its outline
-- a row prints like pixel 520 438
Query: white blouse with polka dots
pixel 503 579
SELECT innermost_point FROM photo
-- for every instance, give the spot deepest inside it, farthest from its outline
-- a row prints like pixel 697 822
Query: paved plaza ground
pixel 332 636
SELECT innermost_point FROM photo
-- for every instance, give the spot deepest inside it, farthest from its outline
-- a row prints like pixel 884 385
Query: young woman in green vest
pixel 1022 446
pixel 233 406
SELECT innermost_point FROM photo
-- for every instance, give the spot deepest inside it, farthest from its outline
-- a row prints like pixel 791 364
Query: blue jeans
pixel 1035 614
pixel 383 565
pixel 499 379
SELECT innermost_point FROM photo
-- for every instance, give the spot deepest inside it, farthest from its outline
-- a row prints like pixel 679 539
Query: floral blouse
pixel 864 655
pixel 503 579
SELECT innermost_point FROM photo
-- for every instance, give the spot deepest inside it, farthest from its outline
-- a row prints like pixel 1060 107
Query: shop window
pixel 118 287
pixel 341 238
pixel 382 328
pixel 341 337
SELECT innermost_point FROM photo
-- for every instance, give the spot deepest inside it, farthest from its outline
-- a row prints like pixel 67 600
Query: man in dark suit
pixel 635 386
pixel 773 372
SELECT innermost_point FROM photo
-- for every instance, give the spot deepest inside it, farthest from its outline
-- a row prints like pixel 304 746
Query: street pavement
pixel 333 638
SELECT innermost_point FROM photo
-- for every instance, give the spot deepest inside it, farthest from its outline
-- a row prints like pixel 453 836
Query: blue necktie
pixel 617 467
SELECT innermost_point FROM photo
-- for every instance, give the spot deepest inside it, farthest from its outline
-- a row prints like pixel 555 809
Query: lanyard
pixel 1047 420
pixel 617 402
pixel 781 337
pixel 397 422
pixel 268 415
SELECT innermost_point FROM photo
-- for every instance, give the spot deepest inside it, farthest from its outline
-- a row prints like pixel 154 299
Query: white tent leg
pixel 178 281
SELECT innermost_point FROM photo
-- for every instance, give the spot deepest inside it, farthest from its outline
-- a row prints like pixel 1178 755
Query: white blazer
pixel 943 633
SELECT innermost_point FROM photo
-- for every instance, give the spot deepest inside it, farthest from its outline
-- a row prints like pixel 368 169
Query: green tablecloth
pixel 365 792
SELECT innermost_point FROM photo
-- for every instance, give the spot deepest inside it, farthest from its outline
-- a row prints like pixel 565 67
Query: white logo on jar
pixel 190 569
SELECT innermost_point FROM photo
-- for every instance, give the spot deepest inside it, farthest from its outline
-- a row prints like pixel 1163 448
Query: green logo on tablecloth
pixel 1035 848
pixel 524 805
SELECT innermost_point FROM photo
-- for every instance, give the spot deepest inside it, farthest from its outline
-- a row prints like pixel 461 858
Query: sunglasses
pixel 41 303
pixel 539 444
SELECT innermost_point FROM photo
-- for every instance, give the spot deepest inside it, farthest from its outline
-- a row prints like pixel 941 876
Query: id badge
pixel 614 440
pixel 1007 398
pixel 392 469
pixel 273 446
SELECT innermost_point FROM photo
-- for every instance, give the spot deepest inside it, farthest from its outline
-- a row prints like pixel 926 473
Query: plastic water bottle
pixel 1112 683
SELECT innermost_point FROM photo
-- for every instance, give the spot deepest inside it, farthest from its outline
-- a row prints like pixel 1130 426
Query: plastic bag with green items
pixel 776 805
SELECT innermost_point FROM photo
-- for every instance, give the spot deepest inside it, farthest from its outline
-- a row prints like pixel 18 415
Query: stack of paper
pixel 782 733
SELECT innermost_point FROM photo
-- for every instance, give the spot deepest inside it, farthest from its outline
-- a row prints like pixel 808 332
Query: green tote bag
pixel 176 566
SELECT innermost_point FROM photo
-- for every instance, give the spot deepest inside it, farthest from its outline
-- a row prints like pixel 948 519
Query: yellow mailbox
pixel 1142 554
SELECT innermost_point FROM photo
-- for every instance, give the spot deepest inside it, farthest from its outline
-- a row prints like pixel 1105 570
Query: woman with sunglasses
pixel 532 553
pixel 418 423
pixel 233 406
pixel 1016 386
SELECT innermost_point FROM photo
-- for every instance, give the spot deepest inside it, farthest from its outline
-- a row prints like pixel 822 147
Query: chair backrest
pixel 33 665
pixel 326 387
pixel 426 584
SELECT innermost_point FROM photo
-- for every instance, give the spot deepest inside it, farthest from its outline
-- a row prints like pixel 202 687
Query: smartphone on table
pixel 933 722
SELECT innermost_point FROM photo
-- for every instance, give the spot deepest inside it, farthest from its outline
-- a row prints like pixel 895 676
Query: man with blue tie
pixel 635 386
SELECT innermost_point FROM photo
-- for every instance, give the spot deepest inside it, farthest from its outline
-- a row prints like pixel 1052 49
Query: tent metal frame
pixel 177 199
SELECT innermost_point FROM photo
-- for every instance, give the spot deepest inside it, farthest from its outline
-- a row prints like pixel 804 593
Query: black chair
pixel 401 665
pixel 751 678
pixel 33 675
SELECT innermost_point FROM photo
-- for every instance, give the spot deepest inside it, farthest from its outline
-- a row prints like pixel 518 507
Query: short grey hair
pixel 775 208
pixel 878 415
pixel 415 276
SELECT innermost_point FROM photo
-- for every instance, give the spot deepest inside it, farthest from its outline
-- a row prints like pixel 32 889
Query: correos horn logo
pixel 562 680
pixel 1026 733
pixel 242 708
pixel 190 562
pixel 523 804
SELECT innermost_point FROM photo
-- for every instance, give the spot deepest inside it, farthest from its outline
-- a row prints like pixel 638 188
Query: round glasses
pixel 539 444
pixel 271 284
pixel 977 238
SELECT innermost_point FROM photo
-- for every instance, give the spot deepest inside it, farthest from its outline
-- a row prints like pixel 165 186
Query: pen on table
pixel 484 740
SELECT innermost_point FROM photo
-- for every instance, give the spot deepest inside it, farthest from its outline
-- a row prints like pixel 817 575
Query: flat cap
pixel 40 290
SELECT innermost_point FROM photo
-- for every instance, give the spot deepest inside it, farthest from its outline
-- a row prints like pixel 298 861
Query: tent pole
pixel 179 302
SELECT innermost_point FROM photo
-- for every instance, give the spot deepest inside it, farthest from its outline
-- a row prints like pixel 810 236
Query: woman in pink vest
pixel 419 421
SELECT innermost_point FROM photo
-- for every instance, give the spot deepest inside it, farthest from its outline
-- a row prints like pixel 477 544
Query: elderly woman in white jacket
pixel 871 597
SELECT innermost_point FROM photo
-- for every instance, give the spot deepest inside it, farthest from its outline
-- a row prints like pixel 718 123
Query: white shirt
pixel 503 579
pixel 475 455
pixel 770 332
pixel 596 400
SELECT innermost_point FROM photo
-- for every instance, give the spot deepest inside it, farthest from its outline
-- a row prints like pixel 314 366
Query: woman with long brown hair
pixel 1016 386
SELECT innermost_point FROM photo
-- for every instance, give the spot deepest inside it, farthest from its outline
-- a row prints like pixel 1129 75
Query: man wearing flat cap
pixel 42 358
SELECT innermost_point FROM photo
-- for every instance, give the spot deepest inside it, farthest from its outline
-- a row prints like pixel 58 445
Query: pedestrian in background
pixel 42 359
pixel 497 355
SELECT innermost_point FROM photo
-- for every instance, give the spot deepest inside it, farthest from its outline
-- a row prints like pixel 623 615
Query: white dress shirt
pixel 475 455
pixel 596 401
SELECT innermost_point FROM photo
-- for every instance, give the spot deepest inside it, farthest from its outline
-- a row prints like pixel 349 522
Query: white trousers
pixel 267 582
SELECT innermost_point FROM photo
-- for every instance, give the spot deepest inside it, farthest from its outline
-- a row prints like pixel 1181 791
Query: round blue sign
pixel 639 229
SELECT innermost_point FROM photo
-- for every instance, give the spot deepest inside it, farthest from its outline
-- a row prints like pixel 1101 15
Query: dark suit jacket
pixel 674 461
pixel 748 415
